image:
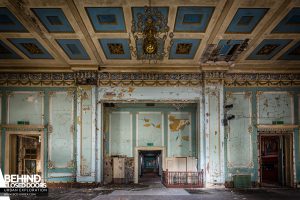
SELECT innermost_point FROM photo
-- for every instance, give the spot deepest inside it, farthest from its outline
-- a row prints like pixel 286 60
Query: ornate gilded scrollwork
pixel 51 164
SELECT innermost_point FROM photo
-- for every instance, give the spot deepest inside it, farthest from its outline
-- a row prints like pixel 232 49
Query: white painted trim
pixel 78 141
pixel 99 142
pixel 162 130
pixel 93 133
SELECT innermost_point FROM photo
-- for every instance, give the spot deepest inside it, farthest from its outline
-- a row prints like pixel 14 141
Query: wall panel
pixel 120 134
pixel 275 106
pixel 239 130
pixel 61 137
pixel 179 134
pixel 149 129
pixel 25 106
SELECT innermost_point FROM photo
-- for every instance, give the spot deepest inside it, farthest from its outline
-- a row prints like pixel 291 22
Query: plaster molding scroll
pixel 51 93
pixel 276 128
pixel 51 164
pixel 248 95
pixel 50 128
pixel 71 164
pixel 9 93
pixel 259 93
pixel 41 94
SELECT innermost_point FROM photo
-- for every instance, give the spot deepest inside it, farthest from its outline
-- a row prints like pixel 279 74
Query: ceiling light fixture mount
pixel 149 33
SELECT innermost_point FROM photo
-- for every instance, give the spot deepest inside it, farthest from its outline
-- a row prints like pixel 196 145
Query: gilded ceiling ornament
pixel 151 31
pixel 267 49
pixel 183 48
pixel 32 48
pixel 115 48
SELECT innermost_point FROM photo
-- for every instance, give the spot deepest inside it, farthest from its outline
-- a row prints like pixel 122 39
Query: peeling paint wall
pixel 132 125
pixel 252 107
pixel 275 106
pixel 25 106
pixel 120 133
pixel 86 127
pixel 61 137
pixel 149 93
pixel 214 133
pixel 239 130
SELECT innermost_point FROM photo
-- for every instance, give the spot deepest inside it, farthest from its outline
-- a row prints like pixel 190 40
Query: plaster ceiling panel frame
pixel 26 17
pixel 77 33
pixel 257 32
pixel 7 53
pixel 268 48
pixel 9 22
pixel 268 23
pixel 292 53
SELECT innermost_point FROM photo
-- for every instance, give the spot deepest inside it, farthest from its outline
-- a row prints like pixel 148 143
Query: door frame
pixel 136 158
pixel 291 156
pixel 29 133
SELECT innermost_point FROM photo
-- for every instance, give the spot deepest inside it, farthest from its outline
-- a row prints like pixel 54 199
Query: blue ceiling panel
pixel 53 19
pixel 31 48
pixel 115 48
pixel 267 49
pixel 246 19
pixel 73 48
pixel 106 19
pixel 227 46
pixel 293 53
pixel 290 23
pixel 7 53
pixel 9 23
pixel 193 19
pixel 136 10
pixel 184 48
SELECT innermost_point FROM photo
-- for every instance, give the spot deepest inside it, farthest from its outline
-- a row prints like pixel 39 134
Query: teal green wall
pixel 270 105
pixel 152 126
pixel 55 106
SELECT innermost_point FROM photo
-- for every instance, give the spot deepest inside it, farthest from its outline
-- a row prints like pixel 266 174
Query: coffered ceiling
pixel 70 35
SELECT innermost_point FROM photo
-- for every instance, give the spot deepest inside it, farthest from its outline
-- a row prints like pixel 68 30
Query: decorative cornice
pixel 276 128
pixel 152 79
pixel 261 80
pixel 60 79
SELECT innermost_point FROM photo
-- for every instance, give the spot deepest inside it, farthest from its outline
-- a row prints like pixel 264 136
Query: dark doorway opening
pixel 150 166
pixel 276 163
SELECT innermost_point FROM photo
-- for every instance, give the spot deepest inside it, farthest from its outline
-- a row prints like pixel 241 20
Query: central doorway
pixel 276 162
pixel 150 166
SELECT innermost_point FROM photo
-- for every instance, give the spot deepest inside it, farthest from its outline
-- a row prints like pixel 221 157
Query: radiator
pixel 242 181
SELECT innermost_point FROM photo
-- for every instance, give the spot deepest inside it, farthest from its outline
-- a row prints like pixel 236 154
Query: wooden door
pixel 270 159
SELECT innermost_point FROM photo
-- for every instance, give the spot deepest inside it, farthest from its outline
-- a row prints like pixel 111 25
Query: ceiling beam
pixel 75 12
